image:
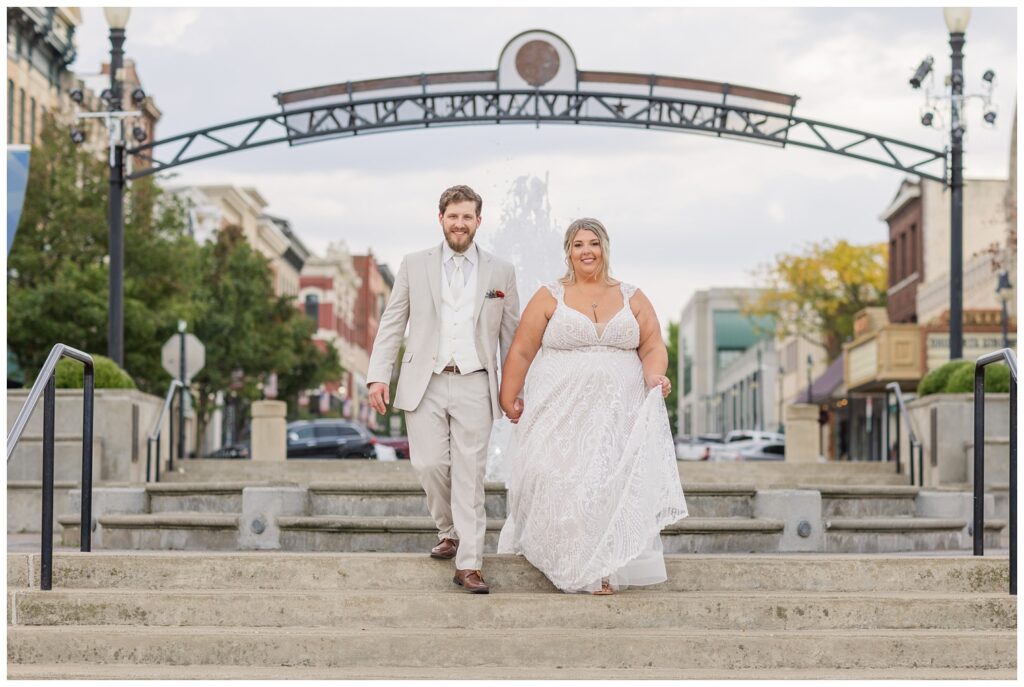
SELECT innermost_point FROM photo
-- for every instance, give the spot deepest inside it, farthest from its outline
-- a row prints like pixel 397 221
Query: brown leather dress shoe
pixel 445 550
pixel 472 581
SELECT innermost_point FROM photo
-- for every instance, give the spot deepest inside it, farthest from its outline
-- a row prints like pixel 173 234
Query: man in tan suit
pixel 459 302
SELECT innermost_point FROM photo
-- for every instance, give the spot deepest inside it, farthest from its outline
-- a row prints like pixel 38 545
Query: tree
pixel 58 271
pixel 672 402
pixel 819 292
pixel 248 331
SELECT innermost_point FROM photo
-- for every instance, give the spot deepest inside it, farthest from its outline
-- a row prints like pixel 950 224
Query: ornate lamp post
pixel 957 19
pixel 117 18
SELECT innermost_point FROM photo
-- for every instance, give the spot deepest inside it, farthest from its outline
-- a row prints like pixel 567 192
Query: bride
pixel 594 479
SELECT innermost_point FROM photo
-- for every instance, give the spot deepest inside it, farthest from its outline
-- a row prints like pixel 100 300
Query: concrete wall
pixel 122 419
pixel 945 427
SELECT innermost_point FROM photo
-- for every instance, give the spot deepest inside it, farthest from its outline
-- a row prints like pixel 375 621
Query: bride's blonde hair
pixel 594 225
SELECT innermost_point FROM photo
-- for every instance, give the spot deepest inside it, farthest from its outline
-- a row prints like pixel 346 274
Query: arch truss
pixel 537 83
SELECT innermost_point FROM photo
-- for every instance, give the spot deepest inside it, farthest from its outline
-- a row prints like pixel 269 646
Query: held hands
pixel 380 396
pixel 662 381
pixel 515 411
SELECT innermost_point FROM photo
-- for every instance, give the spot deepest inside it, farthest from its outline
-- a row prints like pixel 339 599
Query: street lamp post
pixel 1003 290
pixel 956 22
pixel 810 362
pixel 117 18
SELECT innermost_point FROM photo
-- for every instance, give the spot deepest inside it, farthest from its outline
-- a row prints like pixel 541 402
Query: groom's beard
pixel 459 243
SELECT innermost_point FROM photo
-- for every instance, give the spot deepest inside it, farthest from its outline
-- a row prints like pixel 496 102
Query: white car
pixel 749 451
pixel 753 435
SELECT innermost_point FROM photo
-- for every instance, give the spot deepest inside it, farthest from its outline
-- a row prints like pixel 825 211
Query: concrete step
pixel 761 474
pixel 85 671
pixel 412 534
pixel 586 649
pixel 405 498
pixel 245 571
pixel 857 501
pixel 882 535
pixel 203 497
pixel 449 608
pixel 173 531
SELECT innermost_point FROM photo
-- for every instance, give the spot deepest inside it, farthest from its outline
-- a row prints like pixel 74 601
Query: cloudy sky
pixel 685 212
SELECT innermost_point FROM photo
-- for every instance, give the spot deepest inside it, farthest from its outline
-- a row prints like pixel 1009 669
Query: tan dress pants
pixel 448 436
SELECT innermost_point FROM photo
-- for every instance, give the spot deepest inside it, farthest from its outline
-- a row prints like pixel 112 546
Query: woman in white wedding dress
pixel 594 478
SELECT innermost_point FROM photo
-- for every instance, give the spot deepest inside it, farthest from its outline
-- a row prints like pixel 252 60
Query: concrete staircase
pixel 361 615
pixel 391 516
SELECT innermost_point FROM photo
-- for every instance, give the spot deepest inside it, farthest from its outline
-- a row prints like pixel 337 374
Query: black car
pixel 330 439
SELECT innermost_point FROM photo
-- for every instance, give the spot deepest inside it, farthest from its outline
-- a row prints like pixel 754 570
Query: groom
pixel 459 301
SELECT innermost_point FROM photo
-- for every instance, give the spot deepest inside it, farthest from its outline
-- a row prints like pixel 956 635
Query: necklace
pixel 594 308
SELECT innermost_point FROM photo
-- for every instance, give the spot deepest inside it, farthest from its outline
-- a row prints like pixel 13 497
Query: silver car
pixel 749 451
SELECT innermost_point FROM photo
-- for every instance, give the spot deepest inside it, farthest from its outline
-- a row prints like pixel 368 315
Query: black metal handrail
pixel 1003 355
pixel 46 385
pixel 893 388
pixel 154 437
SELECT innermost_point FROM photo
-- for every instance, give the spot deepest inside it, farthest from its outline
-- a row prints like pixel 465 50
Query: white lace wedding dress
pixel 592 467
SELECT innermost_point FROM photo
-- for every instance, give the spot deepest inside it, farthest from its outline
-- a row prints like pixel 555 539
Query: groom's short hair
pixel 457 194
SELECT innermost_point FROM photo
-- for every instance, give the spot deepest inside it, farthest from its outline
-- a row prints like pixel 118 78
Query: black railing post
pixel 49 411
pixel 149 457
pixel 920 464
pixel 979 461
pixel 87 414
pixel 897 445
pixel 170 439
pixel 156 465
pixel 1013 486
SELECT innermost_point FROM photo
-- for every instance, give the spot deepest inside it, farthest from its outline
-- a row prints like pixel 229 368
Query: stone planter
pixel 945 426
pixel 122 418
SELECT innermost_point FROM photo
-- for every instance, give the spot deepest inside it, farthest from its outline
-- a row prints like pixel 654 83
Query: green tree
pixel 819 292
pixel 58 272
pixel 248 331
pixel 672 402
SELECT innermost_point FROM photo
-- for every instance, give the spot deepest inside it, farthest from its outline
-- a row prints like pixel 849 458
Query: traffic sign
pixel 195 356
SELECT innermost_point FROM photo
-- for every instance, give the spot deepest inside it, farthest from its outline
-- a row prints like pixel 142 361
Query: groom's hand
pixel 380 396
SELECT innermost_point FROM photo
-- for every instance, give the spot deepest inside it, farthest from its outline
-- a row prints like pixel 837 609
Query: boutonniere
pixel 493 293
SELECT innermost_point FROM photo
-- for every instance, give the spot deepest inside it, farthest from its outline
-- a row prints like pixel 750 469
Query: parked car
pixel 750 451
pixel 384 452
pixel 330 438
pixel 753 435
pixel 696 448
pixel 400 444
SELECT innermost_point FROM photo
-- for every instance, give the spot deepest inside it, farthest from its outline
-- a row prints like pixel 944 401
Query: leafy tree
pixel 58 271
pixel 248 331
pixel 820 291
pixel 672 402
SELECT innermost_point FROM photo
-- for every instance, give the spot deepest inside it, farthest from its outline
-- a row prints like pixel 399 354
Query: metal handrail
pixel 154 436
pixel 1003 355
pixel 46 386
pixel 915 444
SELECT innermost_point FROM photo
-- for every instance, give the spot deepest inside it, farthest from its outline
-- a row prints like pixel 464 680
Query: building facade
pixel 713 335
pixel 329 289
pixel 40 46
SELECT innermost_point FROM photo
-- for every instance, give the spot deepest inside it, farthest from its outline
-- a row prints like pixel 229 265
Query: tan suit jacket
pixel 416 302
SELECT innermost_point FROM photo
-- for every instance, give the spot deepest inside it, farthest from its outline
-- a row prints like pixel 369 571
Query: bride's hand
pixel 515 412
pixel 662 381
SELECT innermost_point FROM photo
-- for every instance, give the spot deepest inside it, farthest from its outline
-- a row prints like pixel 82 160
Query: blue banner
pixel 17 180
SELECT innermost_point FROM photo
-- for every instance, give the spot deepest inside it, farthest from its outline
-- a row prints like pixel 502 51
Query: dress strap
pixel 556 289
pixel 627 290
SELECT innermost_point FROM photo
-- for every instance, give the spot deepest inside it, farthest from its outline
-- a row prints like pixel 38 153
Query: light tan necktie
pixel 458 279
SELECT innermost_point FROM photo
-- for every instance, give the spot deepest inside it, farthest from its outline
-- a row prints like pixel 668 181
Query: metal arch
pixel 351 117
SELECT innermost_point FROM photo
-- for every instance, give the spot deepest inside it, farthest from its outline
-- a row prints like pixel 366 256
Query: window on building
pixel 313 307
pixel 913 248
pixel 21 116
pixel 893 278
pixel 32 122
pixel 10 111
pixel 905 250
